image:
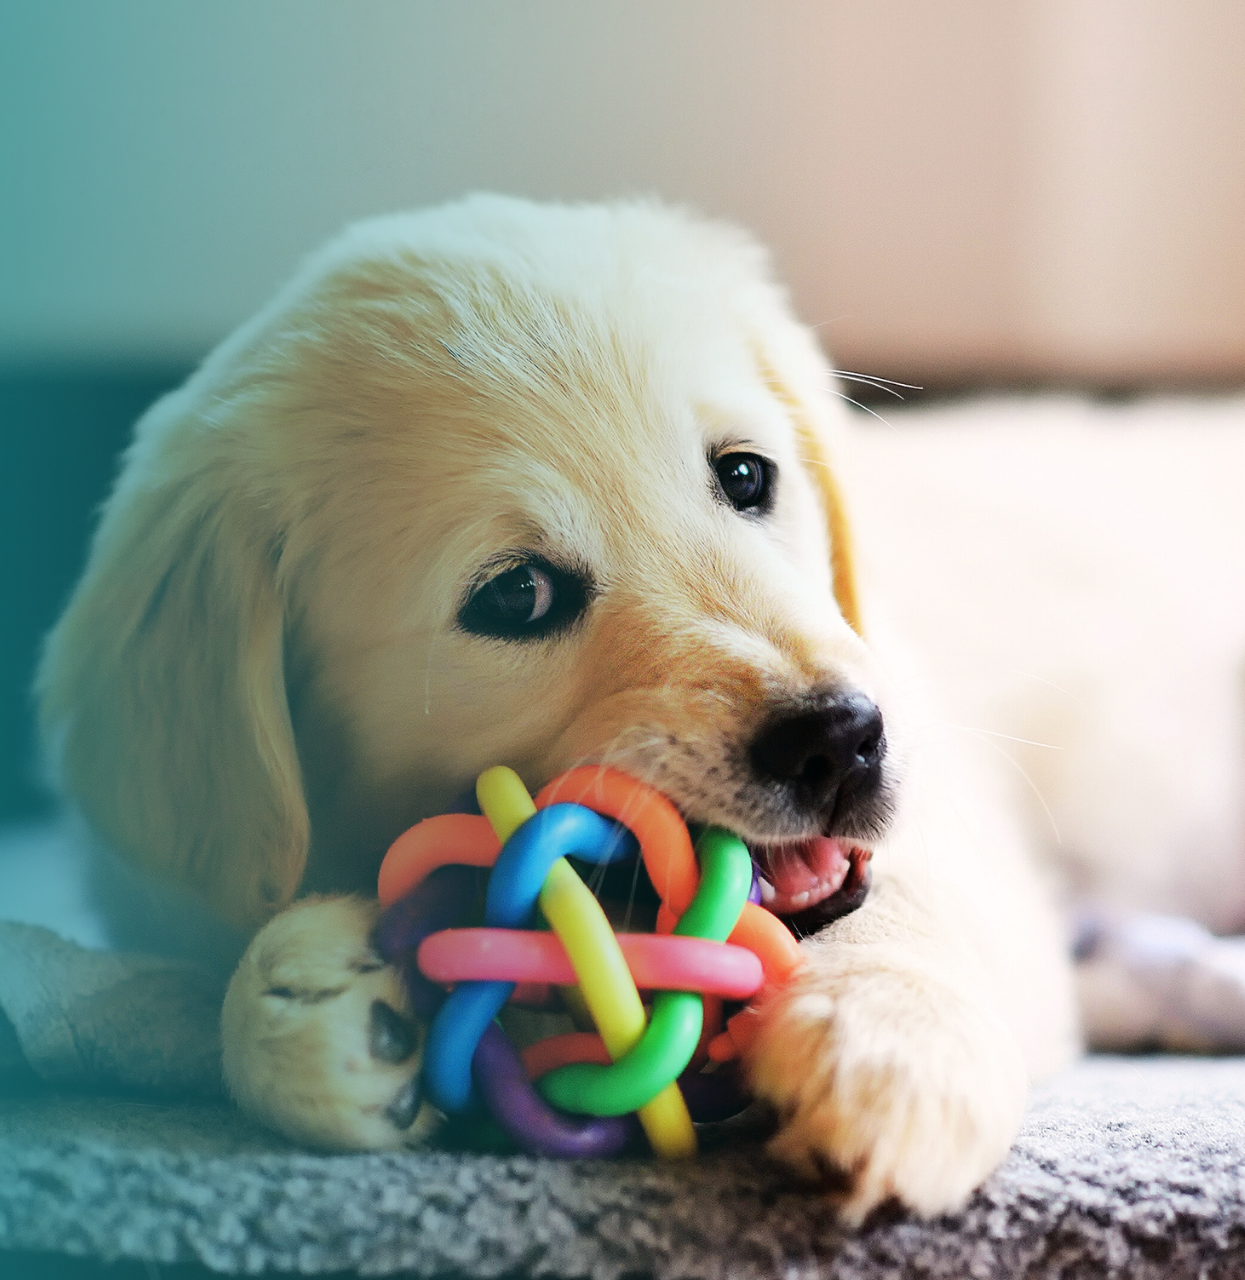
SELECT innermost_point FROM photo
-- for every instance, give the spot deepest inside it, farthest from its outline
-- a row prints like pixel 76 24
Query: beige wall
pixel 1130 217
pixel 956 189
pixel 1050 189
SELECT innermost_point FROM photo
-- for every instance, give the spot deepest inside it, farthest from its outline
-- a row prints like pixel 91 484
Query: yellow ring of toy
pixel 604 979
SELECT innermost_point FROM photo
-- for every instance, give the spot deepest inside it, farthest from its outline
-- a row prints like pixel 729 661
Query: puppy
pixel 544 486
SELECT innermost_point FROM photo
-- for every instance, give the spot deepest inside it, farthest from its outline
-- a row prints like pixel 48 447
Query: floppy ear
pixel 799 378
pixel 162 689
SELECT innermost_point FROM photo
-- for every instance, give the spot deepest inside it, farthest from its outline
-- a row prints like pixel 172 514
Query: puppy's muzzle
pixel 825 759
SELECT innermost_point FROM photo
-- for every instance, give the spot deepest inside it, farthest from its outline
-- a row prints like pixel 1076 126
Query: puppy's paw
pixel 318 1042
pixel 888 1083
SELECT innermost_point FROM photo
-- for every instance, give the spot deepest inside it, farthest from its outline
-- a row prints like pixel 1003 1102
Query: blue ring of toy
pixel 559 831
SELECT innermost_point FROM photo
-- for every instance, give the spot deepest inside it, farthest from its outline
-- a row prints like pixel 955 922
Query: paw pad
pixel 391 1037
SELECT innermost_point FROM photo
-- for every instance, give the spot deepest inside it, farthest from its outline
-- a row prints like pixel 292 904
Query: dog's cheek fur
pixel 674 689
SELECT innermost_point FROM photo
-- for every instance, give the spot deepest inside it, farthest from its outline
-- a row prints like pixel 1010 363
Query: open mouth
pixel 810 882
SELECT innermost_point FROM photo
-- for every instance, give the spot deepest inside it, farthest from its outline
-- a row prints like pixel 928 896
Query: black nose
pixel 828 758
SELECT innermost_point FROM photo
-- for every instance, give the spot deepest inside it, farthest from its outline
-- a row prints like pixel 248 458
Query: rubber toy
pixel 580 1094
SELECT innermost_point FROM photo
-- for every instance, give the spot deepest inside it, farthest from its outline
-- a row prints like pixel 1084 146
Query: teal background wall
pixel 63 428
pixel 958 193
pixel 164 167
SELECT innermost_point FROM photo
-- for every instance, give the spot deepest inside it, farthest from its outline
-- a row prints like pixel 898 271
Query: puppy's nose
pixel 827 758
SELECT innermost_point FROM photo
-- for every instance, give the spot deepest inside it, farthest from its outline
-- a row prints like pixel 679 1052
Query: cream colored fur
pixel 1073 574
pixel 260 682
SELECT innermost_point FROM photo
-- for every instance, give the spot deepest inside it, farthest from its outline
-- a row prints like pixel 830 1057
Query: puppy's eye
pixel 528 602
pixel 520 597
pixel 746 480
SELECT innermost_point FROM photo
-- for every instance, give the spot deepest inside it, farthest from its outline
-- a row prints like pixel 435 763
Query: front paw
pixel 888 1082
pixel 318 1042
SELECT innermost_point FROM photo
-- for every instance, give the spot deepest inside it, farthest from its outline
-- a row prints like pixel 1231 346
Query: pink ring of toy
pixel 657 962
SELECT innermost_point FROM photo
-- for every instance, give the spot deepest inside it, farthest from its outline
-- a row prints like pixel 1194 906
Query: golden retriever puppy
pixel 540 486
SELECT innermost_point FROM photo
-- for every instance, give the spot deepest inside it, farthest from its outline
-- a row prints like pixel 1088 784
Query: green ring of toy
pixel 674 1029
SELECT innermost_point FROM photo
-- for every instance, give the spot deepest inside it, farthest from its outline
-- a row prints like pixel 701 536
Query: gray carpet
pixel 1125 1167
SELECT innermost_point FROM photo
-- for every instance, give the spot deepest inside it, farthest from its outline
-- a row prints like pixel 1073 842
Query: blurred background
pixel 962 195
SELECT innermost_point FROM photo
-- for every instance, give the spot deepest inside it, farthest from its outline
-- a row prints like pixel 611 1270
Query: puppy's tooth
pixel 768 893
pixel 391 1037
pixel 401 1112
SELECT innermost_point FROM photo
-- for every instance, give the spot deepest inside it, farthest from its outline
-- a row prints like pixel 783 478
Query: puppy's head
pixel 496 483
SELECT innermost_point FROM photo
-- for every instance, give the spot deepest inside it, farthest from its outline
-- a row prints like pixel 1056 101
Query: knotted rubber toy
pixel 667 851
pixel 631 1066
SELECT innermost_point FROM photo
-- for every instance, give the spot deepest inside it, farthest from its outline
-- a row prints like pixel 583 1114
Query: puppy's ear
pixel 798 376
pixel 161 688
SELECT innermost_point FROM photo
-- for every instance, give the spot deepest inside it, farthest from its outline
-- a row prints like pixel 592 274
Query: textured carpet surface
pixel 1125 1167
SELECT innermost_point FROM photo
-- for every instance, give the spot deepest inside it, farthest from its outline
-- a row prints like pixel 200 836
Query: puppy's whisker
pixel 635 881
pixel 1028 742
pixel 865 382
pixel 877 378
pixel 1015 764
pixel 633 749
pixel 878 384
pixel 596 881
pixel 821 324
pixel 844 396
pixel 1030 675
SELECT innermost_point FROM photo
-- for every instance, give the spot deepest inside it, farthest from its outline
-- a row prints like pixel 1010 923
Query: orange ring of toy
pixel 463 838
pixel 558 1051
pixel 647 814
pixel 668 857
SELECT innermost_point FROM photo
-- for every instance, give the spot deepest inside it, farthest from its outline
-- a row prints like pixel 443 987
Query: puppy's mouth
pixel 807 883
pixel 813 881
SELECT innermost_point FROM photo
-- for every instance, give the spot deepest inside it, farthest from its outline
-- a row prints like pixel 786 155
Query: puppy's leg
pixel 899 1059
pixel 891 1075
pixel 318 1041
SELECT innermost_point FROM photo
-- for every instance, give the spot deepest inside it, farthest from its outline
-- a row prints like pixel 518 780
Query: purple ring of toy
pixel 542 1130
pixel 536 1126
pixel 440 903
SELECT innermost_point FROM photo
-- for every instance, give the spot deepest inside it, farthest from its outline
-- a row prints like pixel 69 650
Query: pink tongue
pixel 797 868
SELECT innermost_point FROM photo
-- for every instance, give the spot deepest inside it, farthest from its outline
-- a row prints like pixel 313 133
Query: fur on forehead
pixel 522 306
pixel 491 330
